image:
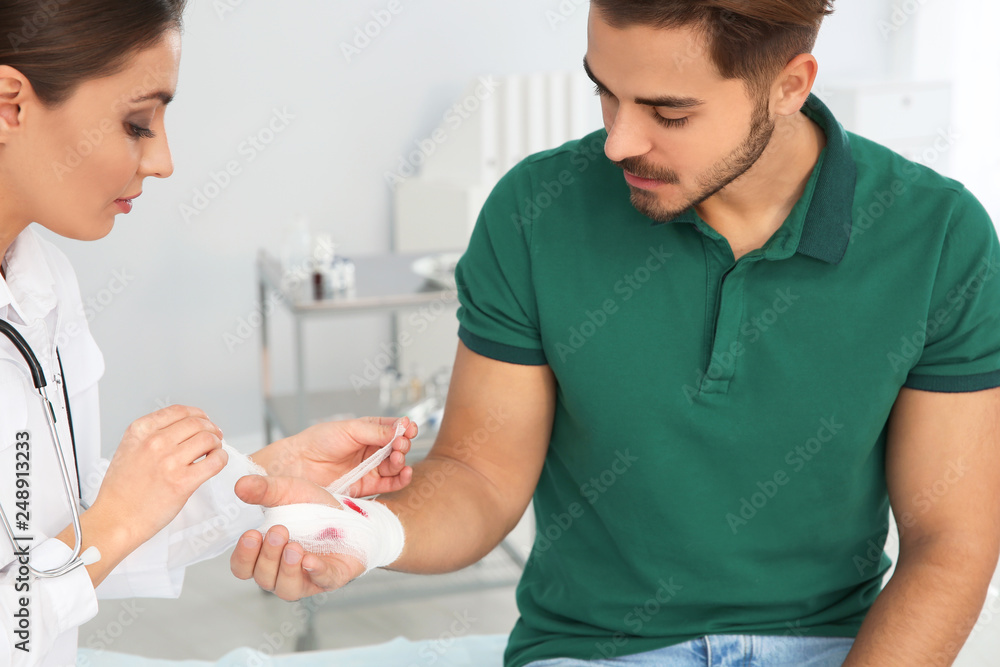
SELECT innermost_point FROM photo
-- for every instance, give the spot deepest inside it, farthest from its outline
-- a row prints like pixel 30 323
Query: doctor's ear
pixel 14 90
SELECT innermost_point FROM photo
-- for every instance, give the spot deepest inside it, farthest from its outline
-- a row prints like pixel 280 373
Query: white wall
pixel 850 44
pixel 189 283
pixel 973 65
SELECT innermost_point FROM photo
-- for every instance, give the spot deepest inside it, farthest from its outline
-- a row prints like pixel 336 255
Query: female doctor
pixel 83 89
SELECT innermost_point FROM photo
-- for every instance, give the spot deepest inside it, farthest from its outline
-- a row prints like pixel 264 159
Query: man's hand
pixel 324 452
pixel 276 564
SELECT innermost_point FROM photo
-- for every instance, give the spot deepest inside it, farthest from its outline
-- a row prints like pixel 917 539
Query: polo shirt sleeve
pixel 961 352
pixel 498 313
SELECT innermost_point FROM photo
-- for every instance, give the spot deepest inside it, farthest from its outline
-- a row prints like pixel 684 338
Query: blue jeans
pixel 730 651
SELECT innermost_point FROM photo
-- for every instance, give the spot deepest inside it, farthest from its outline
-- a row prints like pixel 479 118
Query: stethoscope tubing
pixel 38 379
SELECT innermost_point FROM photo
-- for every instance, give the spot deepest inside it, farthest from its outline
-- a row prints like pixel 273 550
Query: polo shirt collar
pixel 826 230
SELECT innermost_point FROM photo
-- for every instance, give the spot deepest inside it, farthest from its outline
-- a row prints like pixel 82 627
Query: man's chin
pixel 651 207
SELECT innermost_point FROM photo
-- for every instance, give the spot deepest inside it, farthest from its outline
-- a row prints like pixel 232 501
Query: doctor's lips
pixel 125 203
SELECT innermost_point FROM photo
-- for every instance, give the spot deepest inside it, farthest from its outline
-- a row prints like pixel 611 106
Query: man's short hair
pixel 747 39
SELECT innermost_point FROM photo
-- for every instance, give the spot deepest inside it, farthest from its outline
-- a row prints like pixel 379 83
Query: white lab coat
pixel 41 298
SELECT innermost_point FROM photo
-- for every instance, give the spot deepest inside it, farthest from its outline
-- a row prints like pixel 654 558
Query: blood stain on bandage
pixel 354 507
pixel 330 534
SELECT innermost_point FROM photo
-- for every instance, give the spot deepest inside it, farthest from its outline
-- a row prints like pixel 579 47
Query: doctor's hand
pixel 276 564
pixel 162 459
pixel 325 452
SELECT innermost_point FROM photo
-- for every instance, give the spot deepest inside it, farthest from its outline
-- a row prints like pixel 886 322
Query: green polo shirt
pixel 716 463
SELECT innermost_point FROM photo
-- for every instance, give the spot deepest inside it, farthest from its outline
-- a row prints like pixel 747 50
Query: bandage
pixel 364 529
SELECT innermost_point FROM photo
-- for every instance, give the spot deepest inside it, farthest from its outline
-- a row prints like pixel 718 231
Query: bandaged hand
pixel 348 536
pixel 312 540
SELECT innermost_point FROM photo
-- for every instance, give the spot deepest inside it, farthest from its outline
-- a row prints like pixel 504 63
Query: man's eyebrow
pixel 164 97
pixel 667 101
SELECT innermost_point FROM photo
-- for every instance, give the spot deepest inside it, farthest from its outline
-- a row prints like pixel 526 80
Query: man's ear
pixel 14 89
pixel 792 87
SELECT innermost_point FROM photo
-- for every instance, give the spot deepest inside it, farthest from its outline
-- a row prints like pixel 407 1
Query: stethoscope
pixel 91 555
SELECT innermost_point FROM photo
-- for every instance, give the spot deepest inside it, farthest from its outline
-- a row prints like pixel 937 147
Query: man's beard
pixel 724 172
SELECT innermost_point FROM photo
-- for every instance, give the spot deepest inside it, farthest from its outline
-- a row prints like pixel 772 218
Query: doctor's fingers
pixel 201 471
pixel 164 417
pixel 189 439
pixel 164 441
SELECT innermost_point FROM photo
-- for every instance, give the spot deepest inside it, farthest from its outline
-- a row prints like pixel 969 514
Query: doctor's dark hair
pixel 747 39
pixel 59 44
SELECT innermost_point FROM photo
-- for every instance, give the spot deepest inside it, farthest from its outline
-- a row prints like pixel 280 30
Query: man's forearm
pixel 452 516
pixel 475 483
pixel 926 611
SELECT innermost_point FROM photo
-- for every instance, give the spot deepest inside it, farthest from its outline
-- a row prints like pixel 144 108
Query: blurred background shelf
pixel 384 283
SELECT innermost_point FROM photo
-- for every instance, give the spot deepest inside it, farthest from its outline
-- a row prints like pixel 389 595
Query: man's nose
pixel 627 136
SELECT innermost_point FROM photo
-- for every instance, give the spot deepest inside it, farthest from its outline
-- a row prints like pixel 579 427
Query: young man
pixel 713 341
